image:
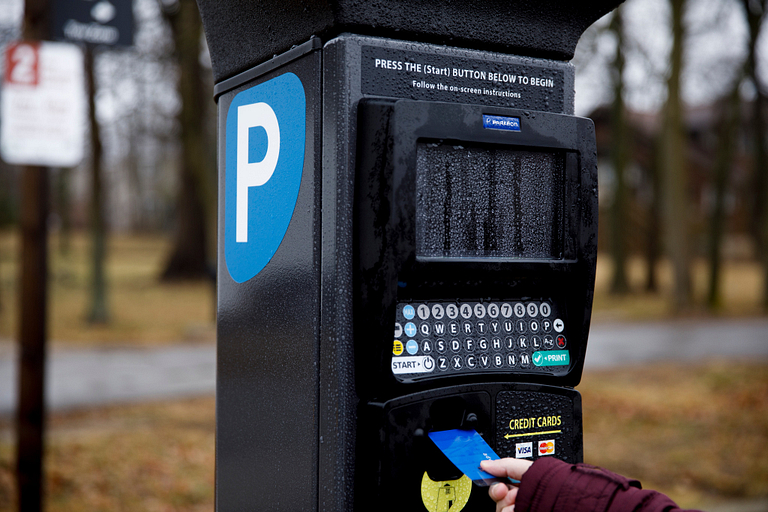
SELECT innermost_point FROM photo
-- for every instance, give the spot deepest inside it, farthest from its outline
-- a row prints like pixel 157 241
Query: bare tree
pixel 98 312
pixel 754 11
pixel 619 157
pixel 723 162
pixel 188 258
pixel 673 168
pixel 652 239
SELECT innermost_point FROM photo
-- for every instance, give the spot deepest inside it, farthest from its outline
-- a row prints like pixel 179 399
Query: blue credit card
pixel 466 449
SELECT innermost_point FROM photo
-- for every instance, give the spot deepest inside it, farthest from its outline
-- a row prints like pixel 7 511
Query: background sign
pixel 43 105
pixel 105 22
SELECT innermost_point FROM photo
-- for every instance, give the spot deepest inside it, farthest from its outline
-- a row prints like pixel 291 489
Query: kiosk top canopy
pixel 242 34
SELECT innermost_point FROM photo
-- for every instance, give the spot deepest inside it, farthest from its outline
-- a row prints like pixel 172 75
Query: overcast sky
pixel 715 46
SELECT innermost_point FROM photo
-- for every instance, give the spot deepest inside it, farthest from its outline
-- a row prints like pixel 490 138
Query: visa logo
pixel 523 450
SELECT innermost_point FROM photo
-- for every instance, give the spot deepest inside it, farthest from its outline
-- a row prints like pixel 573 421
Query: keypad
pixel 435 338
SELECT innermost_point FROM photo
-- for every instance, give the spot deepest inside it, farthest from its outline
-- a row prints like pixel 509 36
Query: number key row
pixel 478 310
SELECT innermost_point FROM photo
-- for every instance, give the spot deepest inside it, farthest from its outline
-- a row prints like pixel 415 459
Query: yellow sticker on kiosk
pixel 445 496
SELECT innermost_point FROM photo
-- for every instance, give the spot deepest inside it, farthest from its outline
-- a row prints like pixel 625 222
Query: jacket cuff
pixel 551 484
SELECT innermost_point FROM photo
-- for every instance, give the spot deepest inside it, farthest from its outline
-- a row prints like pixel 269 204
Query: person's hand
pixel 503 495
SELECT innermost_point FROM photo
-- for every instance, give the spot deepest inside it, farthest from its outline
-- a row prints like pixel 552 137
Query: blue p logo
pixel 264 147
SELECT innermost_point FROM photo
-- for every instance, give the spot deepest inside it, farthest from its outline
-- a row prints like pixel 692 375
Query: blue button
pixel 410 329
pixel 412 347
pixel 409 312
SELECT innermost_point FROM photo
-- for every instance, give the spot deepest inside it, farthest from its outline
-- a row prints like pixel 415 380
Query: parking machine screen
pixel 485 202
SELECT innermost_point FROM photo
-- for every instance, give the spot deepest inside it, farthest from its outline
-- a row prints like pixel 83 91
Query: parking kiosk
pixel 407 244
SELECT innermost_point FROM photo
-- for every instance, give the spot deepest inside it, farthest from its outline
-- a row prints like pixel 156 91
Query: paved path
pixel 100 376
pixel 78 377
pixel 682 340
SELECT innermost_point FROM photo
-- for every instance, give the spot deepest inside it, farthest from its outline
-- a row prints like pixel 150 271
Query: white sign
pixel 11 12
pixel 43 105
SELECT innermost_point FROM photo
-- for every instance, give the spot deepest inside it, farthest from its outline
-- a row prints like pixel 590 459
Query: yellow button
pixel 447 496
pixel 397 349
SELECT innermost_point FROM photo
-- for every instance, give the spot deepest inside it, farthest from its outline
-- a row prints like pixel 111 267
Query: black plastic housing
pixel 393 446
pixel 388 269
pixel 243 34
pixel 309 413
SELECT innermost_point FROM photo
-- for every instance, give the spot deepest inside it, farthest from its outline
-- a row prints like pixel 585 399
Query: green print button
pixel 552 358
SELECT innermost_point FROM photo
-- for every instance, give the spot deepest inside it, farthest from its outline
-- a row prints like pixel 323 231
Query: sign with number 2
pixel 22 64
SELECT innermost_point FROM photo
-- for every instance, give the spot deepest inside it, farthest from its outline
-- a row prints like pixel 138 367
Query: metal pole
pixel 30 426
pixel 33 294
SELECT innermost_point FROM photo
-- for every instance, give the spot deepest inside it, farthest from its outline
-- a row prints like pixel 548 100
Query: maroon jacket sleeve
pixel 553 485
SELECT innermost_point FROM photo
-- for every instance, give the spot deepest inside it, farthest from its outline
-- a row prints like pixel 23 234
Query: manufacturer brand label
pixel 503 123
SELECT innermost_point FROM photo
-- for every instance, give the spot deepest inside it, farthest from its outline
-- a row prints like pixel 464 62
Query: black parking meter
pixel 407 244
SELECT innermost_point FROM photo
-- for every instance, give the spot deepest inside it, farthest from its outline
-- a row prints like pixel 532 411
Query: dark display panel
pixel 486 202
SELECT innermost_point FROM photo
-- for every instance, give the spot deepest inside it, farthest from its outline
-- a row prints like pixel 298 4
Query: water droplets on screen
pixel 485 202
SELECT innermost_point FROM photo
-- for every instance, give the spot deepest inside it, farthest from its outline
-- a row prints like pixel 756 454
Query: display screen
pixel 487 202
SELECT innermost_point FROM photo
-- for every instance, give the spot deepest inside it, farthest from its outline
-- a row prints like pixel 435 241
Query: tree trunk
pixel 188 255
pixel 652 246
pixel 98 313
pixel 755 13
pixel 619 156
pixel 674 171
pixel 724 160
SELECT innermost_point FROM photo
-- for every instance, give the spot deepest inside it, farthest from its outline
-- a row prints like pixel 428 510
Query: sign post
pixel 30 66
pixel 33 301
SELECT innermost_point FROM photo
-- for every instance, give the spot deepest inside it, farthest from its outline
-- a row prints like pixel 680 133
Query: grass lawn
pixel 741 291
pixel 143 311
pixel 698 433
pixel 147 312
pixel 150 458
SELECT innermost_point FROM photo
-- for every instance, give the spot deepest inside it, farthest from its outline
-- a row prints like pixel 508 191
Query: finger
pixel 507 504
pixel 502 495
pixel 514 468
pixel 498 492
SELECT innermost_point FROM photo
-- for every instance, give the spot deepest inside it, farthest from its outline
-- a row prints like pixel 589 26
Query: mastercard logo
pixel 547 447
